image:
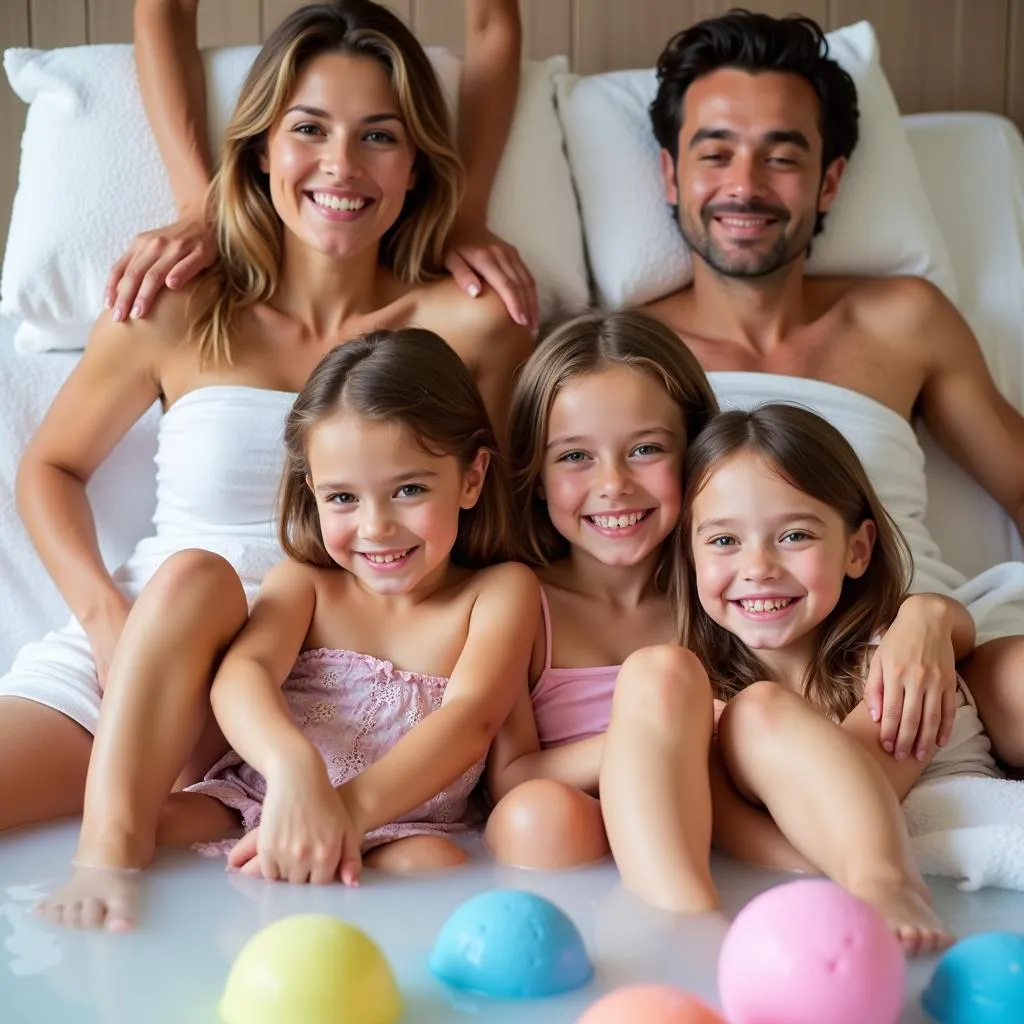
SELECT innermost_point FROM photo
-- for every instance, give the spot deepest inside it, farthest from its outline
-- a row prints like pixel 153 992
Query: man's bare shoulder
pixel 885 304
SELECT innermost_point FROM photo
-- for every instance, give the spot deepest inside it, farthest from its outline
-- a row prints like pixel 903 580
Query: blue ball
pixel 980 980
pixel 510 944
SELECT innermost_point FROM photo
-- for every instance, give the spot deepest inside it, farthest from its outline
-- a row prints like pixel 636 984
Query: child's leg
pixel 416 854
pixel 832 802
pixel 156 704
pixel 655 791
pixel 546 824
pixel 108 897
pixel 995 674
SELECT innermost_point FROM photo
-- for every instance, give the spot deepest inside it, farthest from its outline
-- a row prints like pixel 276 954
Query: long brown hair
pixel 412 377
pixel 248 229
pixel 811 455
pixel 581 346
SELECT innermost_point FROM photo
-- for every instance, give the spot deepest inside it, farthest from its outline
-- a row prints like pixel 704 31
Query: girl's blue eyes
pixel 405 491
pixel 641 450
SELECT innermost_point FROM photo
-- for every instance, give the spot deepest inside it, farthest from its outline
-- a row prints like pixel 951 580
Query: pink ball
pixel 807 952
pixel 649 1004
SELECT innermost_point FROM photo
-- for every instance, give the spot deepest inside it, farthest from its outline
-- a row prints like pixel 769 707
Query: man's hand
pixel 911 684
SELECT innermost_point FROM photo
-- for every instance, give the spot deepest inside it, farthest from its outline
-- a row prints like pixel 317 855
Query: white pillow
pixel 881 222
pixel 91 178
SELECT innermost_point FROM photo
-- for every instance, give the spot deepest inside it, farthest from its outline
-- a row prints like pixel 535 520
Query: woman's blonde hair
pixel 585 345
pixel 248 229
pixel 413 378
pixel 810 454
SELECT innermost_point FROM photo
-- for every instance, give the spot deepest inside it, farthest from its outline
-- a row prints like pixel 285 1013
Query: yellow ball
pixel 311 968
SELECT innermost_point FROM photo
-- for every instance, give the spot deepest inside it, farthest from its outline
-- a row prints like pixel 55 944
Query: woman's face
pixel 339 159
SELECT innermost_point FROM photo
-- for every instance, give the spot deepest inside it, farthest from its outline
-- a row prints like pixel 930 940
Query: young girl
pixel 795 571
pixel 601 417
pixel 381 657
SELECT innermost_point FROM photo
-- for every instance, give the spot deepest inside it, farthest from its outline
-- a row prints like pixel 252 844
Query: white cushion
pixel 881 222
pixel 91 178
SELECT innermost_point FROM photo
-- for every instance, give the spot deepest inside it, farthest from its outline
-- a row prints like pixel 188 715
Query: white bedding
pixel 973 168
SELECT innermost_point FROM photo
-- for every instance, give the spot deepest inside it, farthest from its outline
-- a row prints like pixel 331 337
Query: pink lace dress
pixel 353 708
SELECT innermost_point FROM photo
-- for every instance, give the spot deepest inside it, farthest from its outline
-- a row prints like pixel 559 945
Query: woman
pixel 171 81
pixel 336 188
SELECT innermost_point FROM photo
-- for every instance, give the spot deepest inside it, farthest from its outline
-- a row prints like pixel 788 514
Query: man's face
pixel 748 180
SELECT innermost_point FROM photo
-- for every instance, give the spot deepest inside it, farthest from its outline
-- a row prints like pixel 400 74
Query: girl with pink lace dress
pixel 381 657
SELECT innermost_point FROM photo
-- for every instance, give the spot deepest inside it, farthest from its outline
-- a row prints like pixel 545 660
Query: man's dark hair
pixel 756 42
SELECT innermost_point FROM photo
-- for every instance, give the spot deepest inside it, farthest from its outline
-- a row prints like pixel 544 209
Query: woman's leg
pixel 655 791
pixel 416 854
pixel 832 801
pixel 548 825
pixel 44 756
pixel 995 674
pixel 109 897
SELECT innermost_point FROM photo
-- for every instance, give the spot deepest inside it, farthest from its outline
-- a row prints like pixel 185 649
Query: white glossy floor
pixel 197 917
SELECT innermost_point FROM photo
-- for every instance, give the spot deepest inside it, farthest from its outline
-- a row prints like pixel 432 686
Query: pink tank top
pixel 570 704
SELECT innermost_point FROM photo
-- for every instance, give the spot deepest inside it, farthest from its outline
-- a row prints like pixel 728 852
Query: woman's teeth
pixel 325 199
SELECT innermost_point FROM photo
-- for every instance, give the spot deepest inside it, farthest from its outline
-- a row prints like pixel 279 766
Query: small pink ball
pixel 807 952
pixel 649 1004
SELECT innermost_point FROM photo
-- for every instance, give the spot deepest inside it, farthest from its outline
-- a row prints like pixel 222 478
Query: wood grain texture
pixel 236 23
pixel 1015 63
pixel 14 31
pixel 58 23
pixel 609 34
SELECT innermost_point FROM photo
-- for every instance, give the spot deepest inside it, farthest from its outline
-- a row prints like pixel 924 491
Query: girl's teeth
pixel 386 559
pixel 337 202
pixel 617 522
pixel 772 605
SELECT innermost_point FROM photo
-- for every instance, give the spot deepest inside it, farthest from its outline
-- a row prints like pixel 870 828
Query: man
pixel 756 126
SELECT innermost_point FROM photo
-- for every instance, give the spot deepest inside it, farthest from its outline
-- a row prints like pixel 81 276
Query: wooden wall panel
pixel 547 27
pixel 109 21
pixel 58 23
pixel 816 9
pixel 14 31
pixel 440 23
pixel 1015 63
pixel 610 34
pixel 916 38
pixel 980 56
pixel 229 24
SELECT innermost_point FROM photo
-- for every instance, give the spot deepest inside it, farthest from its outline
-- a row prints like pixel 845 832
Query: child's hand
pixel 306 834
pixel 911 684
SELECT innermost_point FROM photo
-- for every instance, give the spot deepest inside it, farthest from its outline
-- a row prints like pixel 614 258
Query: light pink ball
pixel 649 1004
pixel 808 952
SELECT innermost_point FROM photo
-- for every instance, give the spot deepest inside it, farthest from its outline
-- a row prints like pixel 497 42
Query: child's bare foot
pixel 95 897
pixel 104 890
pixel 907 909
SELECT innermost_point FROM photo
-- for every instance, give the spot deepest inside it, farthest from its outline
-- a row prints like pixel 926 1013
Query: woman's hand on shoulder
pixel 475 255
pixel 169 257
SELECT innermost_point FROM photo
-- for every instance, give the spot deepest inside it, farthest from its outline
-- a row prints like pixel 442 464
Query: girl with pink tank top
pixel 380 658
pixel 601 416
